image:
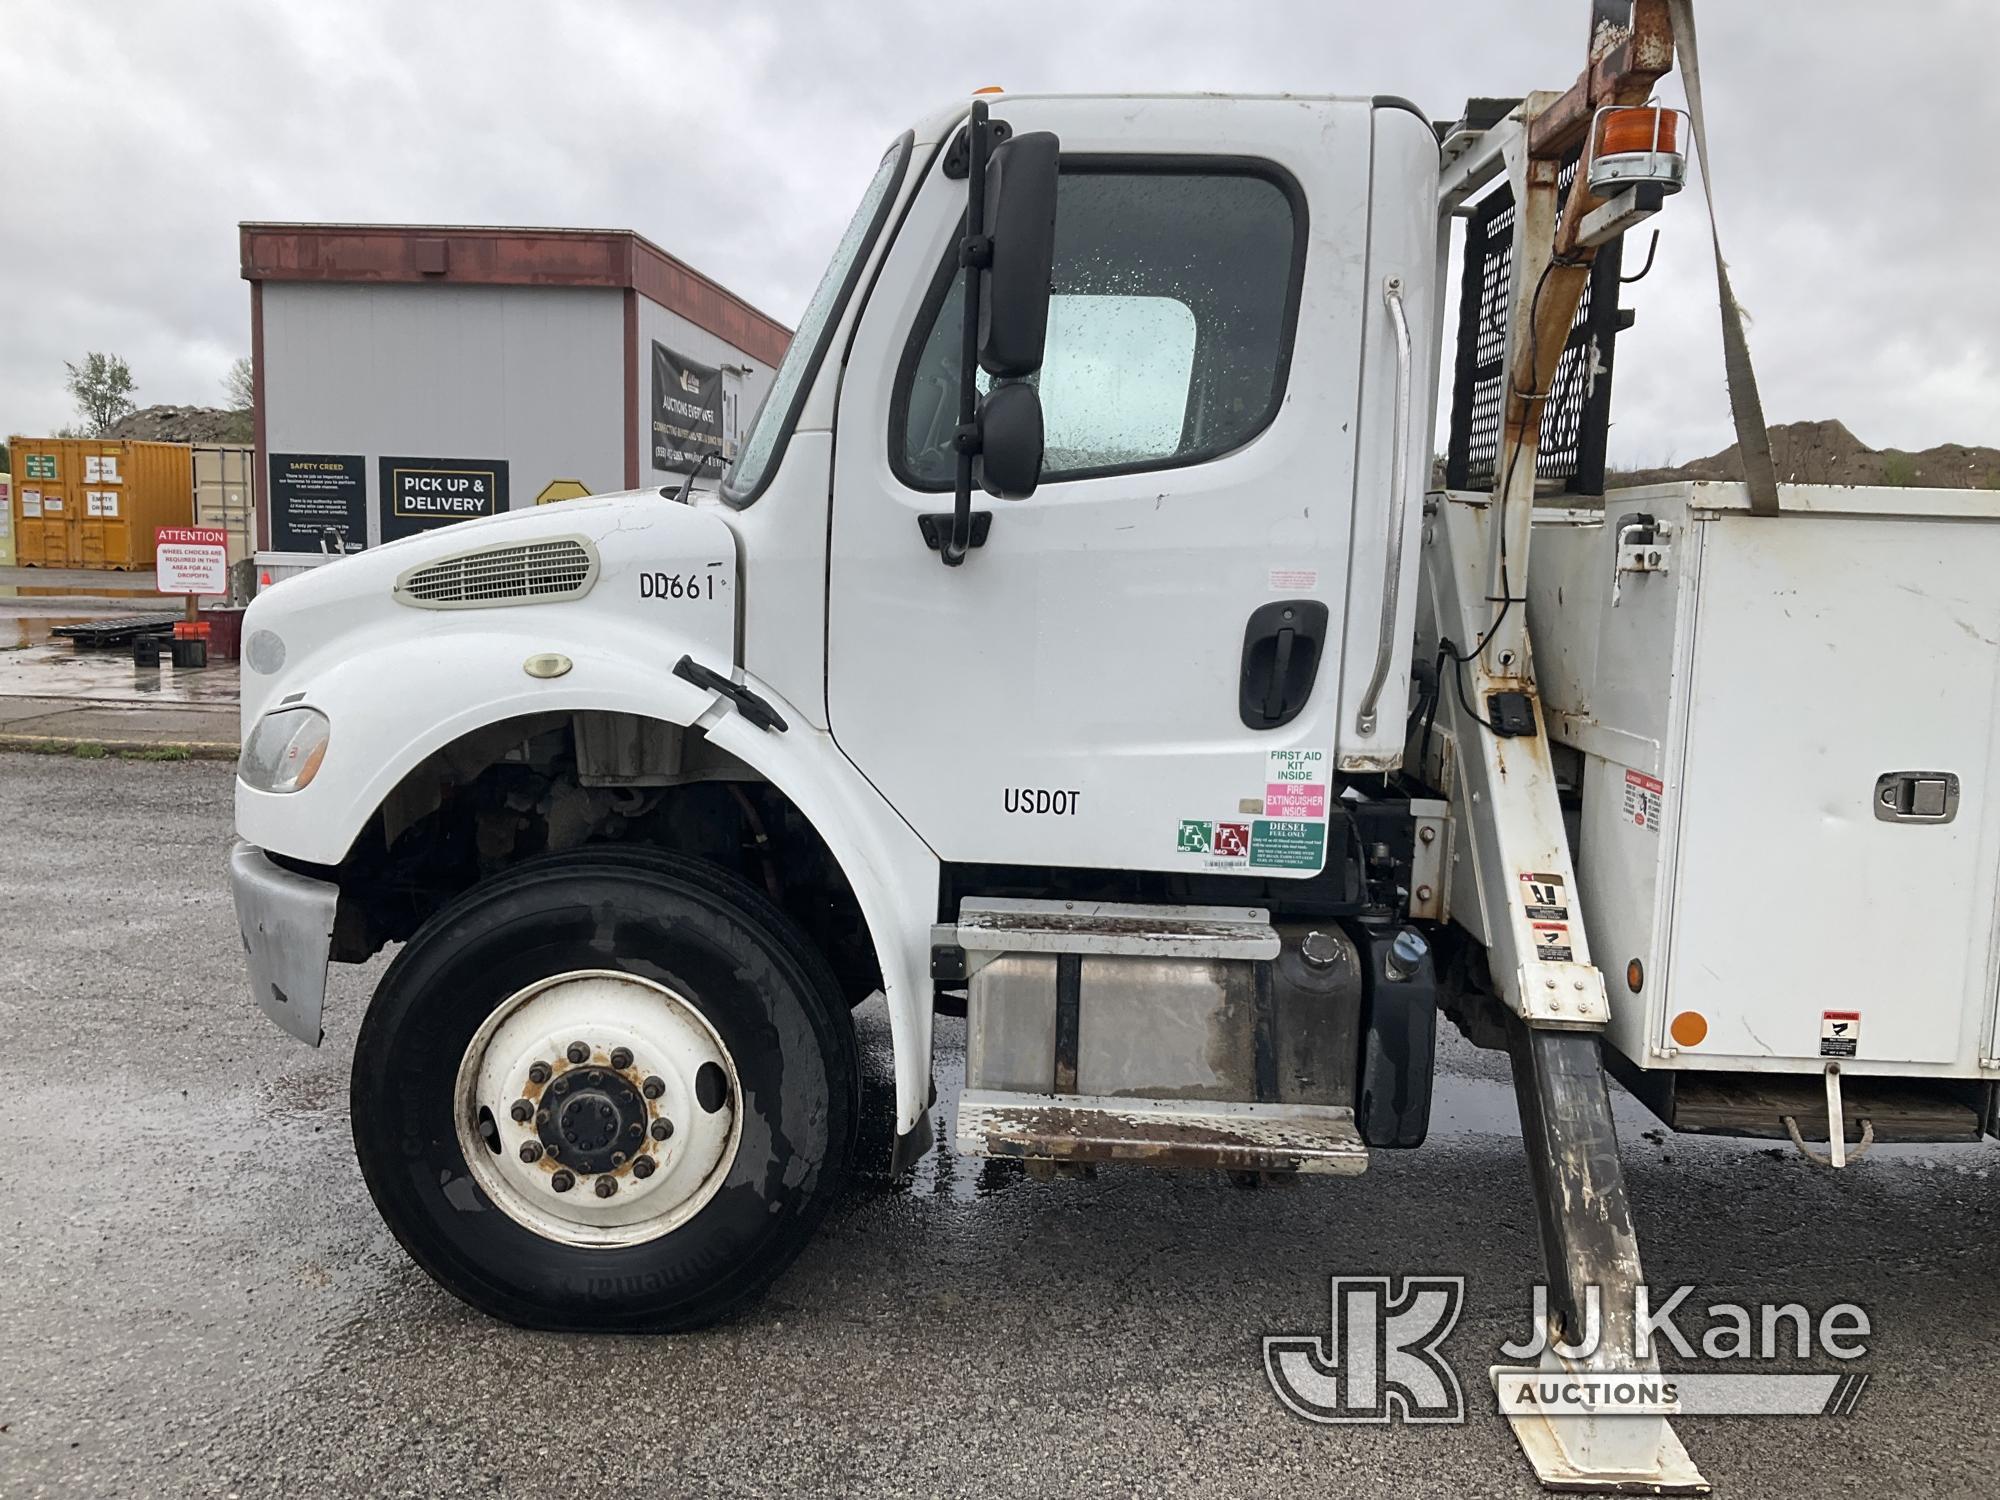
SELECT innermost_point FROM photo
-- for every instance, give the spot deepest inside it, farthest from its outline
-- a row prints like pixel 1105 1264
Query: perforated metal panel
pixel 531 573
pixel 1577 415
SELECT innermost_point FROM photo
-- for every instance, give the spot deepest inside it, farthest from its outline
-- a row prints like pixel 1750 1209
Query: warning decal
pixel 1552 942
pixel 1545 898
pixel 1839 1033
pixel 1642 800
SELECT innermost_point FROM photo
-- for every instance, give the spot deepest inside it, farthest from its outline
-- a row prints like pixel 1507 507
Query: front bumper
pixel 287 924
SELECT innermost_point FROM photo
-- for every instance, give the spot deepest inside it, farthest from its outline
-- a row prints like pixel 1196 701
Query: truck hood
pixel 582 557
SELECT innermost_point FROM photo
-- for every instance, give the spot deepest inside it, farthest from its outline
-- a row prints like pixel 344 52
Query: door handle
pixel 1282 645
pixel 1399 502
pixel 1274 694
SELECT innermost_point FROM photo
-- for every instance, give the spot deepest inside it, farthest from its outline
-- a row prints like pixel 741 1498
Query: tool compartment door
pixel 1829 652
pixel 1070 696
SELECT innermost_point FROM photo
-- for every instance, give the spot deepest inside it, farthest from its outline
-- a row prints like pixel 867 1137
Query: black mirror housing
pixel 1020 222
pixel 1008 465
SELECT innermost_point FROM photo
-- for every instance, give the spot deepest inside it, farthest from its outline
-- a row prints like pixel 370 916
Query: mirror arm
pixel 975 253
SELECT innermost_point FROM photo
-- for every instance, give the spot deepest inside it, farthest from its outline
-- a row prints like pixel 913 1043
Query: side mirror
pixel 1021 221
pixel 1008 465
pixel 1006 255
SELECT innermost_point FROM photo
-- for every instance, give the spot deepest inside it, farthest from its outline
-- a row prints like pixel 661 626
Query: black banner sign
pixel 421 493
pixel 319 502
pixel 687 413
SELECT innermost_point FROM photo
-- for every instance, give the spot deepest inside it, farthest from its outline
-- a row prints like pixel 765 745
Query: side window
pixel 1170 324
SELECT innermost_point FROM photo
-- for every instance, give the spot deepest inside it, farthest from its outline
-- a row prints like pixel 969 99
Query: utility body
pixel 1076 643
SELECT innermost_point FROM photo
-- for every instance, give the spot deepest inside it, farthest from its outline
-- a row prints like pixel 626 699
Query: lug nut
pixel 541 1117
pixel 552 1150
pixel 644 1167
pixel 538 1073
pixel 606 1186
pixel 578 1053
pixel 635 1132
pixel 621 1057
pixel 654 1086
pixel 531 1151
pixel 663 1130
pixel 595 1076
pixel 618 1158
pixel 522 1111
pixel 562 1182
pixel 561 1085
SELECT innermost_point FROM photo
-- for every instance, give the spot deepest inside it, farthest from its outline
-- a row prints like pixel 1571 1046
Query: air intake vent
pixel 528 573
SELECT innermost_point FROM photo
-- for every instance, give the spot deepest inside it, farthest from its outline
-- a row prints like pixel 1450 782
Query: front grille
pixel 530 573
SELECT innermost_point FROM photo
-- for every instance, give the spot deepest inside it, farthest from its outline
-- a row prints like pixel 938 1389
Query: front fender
pixel 397 701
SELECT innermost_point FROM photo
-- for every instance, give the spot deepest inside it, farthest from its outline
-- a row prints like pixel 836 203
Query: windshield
pixel 774 419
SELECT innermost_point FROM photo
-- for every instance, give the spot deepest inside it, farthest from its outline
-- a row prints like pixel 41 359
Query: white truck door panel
pixel 1070 695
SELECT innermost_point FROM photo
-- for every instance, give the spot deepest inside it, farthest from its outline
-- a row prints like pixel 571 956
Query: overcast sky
pixel 1853 169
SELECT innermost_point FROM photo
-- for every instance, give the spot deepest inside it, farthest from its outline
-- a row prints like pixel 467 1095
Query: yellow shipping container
pixel 96 502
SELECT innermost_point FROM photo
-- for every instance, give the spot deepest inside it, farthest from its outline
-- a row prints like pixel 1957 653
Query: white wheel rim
pixel 585 1111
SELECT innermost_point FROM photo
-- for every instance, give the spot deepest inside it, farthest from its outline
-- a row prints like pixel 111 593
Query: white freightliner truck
pixel 1076 644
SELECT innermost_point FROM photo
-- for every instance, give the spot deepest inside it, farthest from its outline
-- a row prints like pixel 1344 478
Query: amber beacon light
pixel 1635 145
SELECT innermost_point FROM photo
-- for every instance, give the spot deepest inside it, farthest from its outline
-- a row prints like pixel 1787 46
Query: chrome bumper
pixel 287 926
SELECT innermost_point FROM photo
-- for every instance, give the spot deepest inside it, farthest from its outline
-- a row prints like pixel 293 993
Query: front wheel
pixel 609 1090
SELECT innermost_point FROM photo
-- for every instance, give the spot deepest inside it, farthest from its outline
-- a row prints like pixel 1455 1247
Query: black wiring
pixel 1446 648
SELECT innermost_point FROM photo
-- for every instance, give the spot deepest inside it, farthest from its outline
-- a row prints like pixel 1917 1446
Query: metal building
pixel 410 376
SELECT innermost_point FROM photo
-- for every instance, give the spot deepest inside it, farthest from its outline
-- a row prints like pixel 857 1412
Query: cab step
pixel 1237 1137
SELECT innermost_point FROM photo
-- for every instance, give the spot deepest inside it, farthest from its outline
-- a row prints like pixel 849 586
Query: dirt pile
pixel 1827 453
pixel 185 424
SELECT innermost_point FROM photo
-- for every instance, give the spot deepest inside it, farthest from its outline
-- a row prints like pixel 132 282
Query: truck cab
pixel 653 788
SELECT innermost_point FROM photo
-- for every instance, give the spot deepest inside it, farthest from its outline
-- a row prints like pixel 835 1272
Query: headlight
pixel 284 751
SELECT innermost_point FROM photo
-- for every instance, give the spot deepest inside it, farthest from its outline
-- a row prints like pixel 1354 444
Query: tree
pixel 240 386
pixel 102 387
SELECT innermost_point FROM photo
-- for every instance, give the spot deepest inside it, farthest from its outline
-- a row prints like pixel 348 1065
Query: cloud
pixel 137 135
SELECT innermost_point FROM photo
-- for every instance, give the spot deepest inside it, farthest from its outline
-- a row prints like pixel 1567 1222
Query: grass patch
pixel 158 752
pixel 1899 469
pixel 86 750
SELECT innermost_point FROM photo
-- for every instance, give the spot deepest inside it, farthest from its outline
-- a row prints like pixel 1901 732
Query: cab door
pixel 1138 667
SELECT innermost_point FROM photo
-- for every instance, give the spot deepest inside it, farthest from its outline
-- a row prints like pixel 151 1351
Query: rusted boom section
pixel 1627 57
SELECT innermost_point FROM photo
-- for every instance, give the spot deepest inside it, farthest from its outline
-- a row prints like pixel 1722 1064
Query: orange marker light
pixel 1690 1029
pixel 1635 976
pixel 991 88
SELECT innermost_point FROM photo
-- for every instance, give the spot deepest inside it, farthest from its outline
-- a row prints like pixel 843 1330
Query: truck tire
pixel 610 1090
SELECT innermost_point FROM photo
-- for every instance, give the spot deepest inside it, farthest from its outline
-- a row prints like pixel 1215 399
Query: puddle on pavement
pixel 17 631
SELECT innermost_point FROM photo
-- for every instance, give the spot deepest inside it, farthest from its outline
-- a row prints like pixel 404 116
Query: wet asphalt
pixel 196 1297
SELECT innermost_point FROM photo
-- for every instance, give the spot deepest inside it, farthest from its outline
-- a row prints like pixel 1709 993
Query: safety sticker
pixel 1287 844
pixel 1552 942
pixel 1545 898
pixel 1294 580
pixel 1642 800
pixel 1839 1032
pixel 31 504
pixel 1295 784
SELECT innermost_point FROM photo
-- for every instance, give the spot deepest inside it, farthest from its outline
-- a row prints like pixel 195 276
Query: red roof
pixel 457 255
